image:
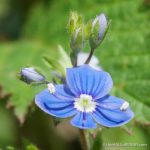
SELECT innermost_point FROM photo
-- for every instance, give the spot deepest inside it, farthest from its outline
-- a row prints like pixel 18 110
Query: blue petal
pixel 59 106
pixel 86 80
pixel 108 112
pixel 64 92
pixel 83 121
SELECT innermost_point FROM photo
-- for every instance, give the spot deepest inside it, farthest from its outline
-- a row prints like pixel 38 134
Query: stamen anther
pixel 51 88
pixel 124 106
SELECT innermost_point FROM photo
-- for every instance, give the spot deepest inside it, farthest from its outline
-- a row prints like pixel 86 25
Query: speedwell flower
pixel 85 97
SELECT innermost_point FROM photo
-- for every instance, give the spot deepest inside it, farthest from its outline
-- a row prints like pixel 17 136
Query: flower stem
pixel 83 139
pixel 90 56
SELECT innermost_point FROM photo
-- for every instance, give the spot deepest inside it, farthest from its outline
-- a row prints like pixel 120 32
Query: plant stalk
pixel 83 139
pixel 90 56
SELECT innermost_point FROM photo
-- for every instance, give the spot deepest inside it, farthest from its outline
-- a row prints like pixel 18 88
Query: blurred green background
pixel 30 29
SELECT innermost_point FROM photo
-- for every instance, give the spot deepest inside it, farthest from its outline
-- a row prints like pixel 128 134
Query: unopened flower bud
pixel 75 21
pixel 99 28
pixel 102 25
pixel 30 75
pixel 77 40
pixel 76 44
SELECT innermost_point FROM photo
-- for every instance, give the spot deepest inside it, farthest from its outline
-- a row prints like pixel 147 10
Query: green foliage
pixel 14 56
pixel 118 136
pixel 28 147
pixel 10 148
pixel 97 142
pixel 58 63
pixel 127 55
pixel 31 147
pixel 4 7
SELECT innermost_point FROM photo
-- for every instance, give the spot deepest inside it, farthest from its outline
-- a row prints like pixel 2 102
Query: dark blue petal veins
pixel 108 112
pixel 86 80
pixel 63 92
pixel 59 105
pixel 83 121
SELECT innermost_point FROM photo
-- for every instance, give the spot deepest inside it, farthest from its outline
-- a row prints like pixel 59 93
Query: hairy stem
pixel 83 139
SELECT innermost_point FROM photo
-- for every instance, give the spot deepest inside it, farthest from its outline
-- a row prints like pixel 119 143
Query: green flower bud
pixel 77 40
pixel 77 35
pixel 75 21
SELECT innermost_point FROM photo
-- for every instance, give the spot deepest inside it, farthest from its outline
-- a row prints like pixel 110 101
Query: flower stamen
pixel 124 106
pixel 85 103
pixel 51 88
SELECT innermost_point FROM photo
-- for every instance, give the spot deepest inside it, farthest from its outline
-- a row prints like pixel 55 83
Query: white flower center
pixel 84 103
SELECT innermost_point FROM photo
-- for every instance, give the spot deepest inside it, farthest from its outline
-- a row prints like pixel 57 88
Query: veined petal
pixel 64 92
pixel 59 105
pixel 83 120
pixel 86 80
pixel 108 112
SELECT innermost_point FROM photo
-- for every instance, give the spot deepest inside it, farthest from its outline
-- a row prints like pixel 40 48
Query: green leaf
pixel 10 148
pixel 97 144
pixel 58 62
pixel 126 56
pixel 31 147
pixel 28 147
pixel 64 58
pixel 138 137
pixel 13 57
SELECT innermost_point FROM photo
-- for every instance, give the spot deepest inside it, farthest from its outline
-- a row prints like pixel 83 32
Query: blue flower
pixel 85 97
